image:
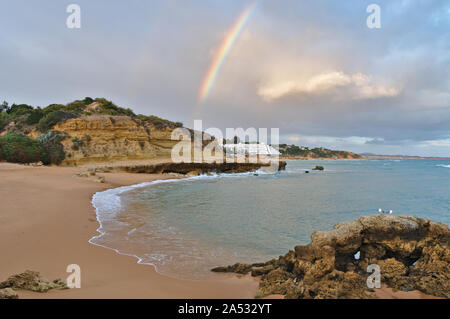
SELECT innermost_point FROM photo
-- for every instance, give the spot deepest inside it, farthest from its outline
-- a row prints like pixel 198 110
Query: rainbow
pixel 222 53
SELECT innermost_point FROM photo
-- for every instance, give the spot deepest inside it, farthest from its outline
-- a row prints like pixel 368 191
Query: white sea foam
pixel 108 205
pixel 442 165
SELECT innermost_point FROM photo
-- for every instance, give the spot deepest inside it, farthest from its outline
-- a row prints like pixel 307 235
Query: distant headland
pixel 379 157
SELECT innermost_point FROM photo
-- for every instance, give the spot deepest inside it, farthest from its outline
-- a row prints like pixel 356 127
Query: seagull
pixel 383 212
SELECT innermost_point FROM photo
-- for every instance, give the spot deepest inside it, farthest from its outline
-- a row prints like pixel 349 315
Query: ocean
pixel 186 227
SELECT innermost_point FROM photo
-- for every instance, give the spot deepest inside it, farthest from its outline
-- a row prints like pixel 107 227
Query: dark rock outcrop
pixel 33 281
pixel 318 168
pixel 8 293
pixel 197 168
pixel 412 253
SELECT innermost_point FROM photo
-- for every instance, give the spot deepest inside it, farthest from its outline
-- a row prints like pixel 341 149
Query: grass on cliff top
pixel 23 118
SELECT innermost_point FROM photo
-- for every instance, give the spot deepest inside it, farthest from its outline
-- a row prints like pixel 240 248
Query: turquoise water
pixel 185 228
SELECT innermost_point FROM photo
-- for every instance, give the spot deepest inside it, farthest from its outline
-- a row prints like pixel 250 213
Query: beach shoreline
pixel 47 221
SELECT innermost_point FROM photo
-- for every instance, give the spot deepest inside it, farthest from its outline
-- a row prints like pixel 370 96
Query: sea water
pixel 186 227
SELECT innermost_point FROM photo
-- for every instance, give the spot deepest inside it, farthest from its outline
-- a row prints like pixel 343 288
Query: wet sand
pixel 46 220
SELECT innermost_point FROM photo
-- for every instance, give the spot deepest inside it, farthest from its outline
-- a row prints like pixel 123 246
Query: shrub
pixel 4 120
pixel 17 148
pixel 21 109
pixel 78 106
pixel 77 144
pixel 51 142
pixel 110 108
pixel 157 121
pixel 52 108
pixel 53 118
pixel 88 100
pixel 34 117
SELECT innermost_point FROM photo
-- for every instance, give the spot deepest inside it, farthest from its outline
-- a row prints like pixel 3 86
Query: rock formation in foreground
pixel 8 293
pixel 412 253
pixel 29 280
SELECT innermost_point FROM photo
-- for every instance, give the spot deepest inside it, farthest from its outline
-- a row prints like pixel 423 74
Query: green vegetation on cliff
pixel 17 148
pixel 20 122
pixel 305 152
pixel 51 142
pixel 51 119
pixel 24 118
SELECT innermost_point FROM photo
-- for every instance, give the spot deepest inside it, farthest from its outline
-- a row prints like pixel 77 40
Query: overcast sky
pixel 313 69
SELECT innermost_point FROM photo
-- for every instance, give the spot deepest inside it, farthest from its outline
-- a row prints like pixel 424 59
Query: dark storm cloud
pixel 313 69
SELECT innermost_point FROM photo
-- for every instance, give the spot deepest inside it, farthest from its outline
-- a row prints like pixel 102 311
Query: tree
pixel 4 106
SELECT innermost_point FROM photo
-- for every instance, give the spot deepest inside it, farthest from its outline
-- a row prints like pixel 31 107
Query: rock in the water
pixel 194 173
pixel 318 168
pixel 8 293
pixel 236 268
pixel 32 280
pixel 412 253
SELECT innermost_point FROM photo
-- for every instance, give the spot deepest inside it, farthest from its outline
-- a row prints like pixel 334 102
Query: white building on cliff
pixel 250 149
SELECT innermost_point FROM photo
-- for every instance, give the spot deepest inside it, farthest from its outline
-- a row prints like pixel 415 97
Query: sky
pixel 313 69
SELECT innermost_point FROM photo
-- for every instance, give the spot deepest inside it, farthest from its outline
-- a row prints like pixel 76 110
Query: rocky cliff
pixel 97 132
pixel 125 141
pixel 412 253
pixel 102 138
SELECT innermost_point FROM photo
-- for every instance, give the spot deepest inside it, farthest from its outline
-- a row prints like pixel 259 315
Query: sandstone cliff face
pixel 412 253
pixel 121 139
pixel 102 138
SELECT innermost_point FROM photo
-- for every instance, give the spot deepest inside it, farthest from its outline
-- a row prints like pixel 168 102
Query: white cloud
pixel 327 141
pixel 437 143
pixel 337 83
pixel 293 138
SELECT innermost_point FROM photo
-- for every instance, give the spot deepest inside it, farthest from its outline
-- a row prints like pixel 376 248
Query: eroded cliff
pixel 101 138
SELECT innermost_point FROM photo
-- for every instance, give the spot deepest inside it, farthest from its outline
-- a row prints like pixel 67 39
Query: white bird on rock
pixel 383 212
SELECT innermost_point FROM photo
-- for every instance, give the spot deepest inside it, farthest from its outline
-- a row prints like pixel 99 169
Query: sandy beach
pixel 46 220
